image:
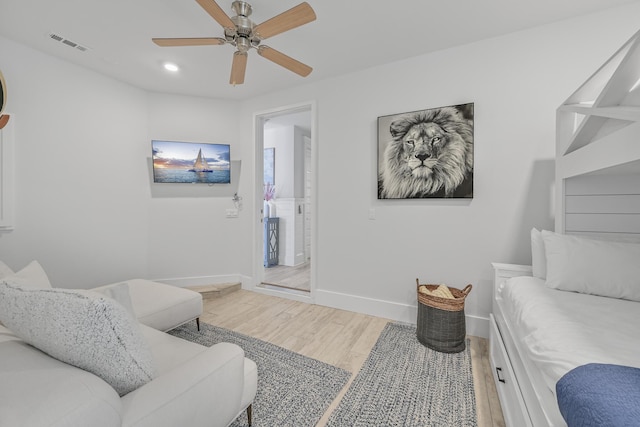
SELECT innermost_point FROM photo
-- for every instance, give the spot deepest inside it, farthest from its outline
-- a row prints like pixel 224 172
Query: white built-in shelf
pixel 619 112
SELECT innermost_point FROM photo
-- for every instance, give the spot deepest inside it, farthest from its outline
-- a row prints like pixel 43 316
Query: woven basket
pixel 441 322
pixel 448 304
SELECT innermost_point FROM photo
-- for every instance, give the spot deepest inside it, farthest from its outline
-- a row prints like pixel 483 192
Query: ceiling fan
pixel 243 34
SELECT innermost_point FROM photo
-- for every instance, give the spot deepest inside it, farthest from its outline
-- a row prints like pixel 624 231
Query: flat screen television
pixel 191 162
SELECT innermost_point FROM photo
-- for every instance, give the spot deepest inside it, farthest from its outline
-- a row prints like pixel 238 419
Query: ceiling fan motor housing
pixel 242 8
pixel 243 37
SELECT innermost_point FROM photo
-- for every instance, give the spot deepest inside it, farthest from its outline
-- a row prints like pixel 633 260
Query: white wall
pixel 86 207
pixel 190 238
pixel 281 138
pixel 516 82
pixel 80 170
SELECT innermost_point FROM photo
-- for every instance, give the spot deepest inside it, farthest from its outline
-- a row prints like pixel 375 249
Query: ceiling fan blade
pixel 217 13
pixel 285 61
pixel 200 41
pixel 238 68
pixel 292 18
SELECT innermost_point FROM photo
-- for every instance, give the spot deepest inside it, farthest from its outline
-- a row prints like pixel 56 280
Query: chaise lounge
pixel 99 357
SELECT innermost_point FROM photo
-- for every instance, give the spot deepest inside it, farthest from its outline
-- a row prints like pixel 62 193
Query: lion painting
pixel 430 155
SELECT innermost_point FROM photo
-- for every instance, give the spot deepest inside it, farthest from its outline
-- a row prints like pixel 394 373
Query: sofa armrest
pixel 204 391
pixel 161 306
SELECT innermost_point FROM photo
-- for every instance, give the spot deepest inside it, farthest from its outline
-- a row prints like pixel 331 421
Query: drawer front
pixel 511 401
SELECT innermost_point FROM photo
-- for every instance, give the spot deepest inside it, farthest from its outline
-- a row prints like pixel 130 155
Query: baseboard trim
pixel 184 282
pixel 284 293
pixel 406 313
pixel 476 326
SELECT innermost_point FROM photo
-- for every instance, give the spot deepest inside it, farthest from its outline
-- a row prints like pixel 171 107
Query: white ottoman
pixel 162 307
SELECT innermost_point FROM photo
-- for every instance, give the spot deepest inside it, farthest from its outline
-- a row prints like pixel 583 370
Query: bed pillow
pixel 81 328
pixel 589 266
pixel 32 276
pixel 538 257
pixel 5 270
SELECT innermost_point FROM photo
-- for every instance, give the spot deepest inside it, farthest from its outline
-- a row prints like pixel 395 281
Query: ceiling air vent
pixel 66 41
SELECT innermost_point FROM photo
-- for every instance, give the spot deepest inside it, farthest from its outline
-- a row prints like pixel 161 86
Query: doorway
pixel 284 138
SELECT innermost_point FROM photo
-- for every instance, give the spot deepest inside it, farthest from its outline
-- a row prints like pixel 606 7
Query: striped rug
pixel 403 383
pixel 293 390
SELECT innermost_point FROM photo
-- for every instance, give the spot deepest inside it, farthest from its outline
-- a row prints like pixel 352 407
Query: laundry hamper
pixel 441 322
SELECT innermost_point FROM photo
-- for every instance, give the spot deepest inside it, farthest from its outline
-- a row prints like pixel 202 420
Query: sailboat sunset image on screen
pixel 200 165
pixel 191 162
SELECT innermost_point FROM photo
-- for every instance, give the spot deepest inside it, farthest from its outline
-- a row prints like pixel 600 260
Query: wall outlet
pixel 232 213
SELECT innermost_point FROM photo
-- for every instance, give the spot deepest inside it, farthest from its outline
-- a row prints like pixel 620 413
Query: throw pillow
pixel 538 258
pixel 32 276
pixel 5 270
pixel 81 328
pixel 590 266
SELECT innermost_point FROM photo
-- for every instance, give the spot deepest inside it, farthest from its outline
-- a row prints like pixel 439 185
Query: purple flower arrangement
pixel 269 191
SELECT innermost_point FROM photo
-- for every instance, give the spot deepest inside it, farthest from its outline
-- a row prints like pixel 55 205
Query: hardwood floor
pixel 297 277
pixel 338 337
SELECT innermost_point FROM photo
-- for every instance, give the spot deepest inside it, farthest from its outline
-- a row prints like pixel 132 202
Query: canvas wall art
pixel 426 153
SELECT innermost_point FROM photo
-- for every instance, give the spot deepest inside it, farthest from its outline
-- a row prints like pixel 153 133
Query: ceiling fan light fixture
pixel 170 66
pixel 243 44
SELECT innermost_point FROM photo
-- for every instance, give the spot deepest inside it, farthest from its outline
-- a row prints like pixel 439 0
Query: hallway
pixel 298 277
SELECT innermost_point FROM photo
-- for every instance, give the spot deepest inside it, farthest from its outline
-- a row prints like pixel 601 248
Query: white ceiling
pixel 348 35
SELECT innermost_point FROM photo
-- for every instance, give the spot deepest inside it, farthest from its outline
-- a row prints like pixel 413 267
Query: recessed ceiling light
pixel 171 67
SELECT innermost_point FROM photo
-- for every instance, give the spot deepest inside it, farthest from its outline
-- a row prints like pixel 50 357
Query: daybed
pixel 552 322
pixel 81 358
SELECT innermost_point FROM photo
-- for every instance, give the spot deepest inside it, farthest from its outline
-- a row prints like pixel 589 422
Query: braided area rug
pixel 403 383
pixel 293 390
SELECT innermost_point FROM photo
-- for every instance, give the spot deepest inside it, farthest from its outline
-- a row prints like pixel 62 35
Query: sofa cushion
pixel 82 328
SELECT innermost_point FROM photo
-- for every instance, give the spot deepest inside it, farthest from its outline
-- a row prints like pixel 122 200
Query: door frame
pixel 259 119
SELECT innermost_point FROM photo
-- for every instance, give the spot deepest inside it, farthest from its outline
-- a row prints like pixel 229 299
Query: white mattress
pixel 562 330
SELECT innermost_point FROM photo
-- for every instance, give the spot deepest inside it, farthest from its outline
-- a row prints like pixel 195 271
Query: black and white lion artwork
pixel 429 154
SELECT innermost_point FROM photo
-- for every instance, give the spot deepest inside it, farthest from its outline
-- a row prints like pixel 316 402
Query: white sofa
pixel 191 385
pixel 162 307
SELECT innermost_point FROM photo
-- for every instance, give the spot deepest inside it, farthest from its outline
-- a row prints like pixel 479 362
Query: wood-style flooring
pixel 338 337
pixel 297 277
